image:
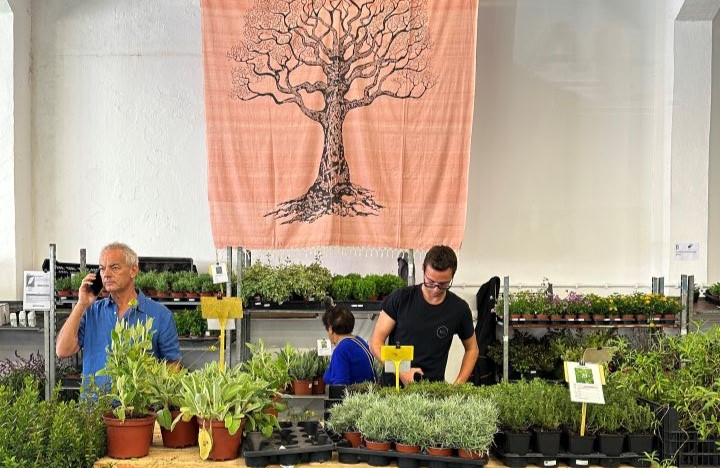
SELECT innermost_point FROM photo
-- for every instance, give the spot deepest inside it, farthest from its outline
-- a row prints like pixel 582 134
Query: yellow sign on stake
pixel 222 309
pixel 397 354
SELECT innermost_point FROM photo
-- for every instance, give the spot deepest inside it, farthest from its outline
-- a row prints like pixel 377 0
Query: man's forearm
pixel 467 365
pixel 66 343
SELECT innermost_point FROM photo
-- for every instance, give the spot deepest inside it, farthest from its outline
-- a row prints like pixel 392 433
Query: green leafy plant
pixel 226 396
pixel 479 425
pixel 388 283
pixel 165 386
pixel 342 288
pixel 304 367
pixel 267 366
pixel 364 289
pixel 373 422
pixel 77 278
pixel 62 283
pixel 344 416
pixel 513 406
pixel 130 365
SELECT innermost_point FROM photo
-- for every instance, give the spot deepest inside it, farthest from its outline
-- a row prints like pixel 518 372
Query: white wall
pixel 568 144
pixel 15 151
pixel 570 172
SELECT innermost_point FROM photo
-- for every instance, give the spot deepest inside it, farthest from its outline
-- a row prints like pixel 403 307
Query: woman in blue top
pixel 351 360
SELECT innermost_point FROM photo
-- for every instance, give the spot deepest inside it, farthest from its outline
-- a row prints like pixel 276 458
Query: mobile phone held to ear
pixel 97 284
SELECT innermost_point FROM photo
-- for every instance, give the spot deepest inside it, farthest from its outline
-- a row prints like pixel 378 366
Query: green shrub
pixel 364 289
pixel 342 288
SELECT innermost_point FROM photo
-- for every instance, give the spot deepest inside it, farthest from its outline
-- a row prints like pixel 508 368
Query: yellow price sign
pixel 397 353
pixel 221 308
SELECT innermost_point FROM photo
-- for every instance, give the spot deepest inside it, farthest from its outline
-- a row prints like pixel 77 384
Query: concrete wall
pixel 570 172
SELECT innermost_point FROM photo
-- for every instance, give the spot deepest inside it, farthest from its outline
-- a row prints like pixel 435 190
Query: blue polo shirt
pixel 96 325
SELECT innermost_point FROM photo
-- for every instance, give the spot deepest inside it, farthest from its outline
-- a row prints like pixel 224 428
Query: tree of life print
pixel 329 57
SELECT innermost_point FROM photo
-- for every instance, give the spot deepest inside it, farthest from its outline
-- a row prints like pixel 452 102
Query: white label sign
pixel 36 291
pixel 687 250
pixel 585 383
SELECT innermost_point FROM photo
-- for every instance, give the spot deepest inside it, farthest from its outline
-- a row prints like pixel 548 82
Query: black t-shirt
pixel 429 328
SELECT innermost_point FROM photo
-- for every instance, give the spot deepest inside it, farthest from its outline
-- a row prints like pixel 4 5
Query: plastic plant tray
pixel 289 446
pixel 569 459
pixel 404 460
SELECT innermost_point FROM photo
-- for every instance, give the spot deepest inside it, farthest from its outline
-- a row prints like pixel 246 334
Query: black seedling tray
pixel 627 458
pixel 404 460
pixel 303 443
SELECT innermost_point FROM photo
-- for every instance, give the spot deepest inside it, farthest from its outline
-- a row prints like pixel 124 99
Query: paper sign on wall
pixel 36 290
pixel 687 250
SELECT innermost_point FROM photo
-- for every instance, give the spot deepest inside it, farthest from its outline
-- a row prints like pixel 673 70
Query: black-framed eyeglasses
pixel 445 285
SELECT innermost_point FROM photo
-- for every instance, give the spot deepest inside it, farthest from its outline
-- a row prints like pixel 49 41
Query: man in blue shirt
pixel 91 321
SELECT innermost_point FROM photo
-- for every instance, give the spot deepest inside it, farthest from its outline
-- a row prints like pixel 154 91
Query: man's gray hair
pixel 131 258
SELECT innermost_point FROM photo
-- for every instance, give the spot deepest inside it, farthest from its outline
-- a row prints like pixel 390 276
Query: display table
pixel 190 457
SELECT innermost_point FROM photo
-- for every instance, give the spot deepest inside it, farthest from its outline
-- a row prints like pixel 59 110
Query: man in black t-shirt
pixel 427 317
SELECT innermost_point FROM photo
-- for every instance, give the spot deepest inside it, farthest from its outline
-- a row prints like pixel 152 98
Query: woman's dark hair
pixel 339 319
pixel 441 257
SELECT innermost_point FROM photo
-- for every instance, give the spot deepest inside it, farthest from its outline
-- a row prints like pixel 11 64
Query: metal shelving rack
pixel 687 284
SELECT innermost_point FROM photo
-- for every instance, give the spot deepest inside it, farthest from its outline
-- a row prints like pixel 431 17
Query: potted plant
pixel 320 280
pixel 515 417
pixel 408 414
pixel 166 385
pixel 641 424
pixel 342 288
pixel 63 287
pixel 388 283
pixel 161 284
pixel 130 366
pixel 76 281
pixel 221 401
pixel 344 416
pixel 321 366
pixel 549 404
pixel 374 424
pixel 302 370
pixel 365 289
pixel 479 424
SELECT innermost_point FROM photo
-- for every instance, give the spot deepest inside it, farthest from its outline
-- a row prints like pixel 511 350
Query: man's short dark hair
pixel 441 257
pixel 339 320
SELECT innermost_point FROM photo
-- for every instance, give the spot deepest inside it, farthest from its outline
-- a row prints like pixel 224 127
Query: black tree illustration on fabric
pixel 356 51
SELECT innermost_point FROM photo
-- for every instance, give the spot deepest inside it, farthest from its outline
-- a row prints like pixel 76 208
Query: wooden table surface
pixel 190 457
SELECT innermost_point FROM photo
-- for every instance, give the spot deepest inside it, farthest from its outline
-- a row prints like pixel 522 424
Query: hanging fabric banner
pixel 338 122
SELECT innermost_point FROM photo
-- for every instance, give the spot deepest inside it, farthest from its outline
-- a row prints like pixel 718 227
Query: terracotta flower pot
pixel 462 453
pixel 130 438
pixel 378 446
pixel 302 387
pixel 353 437
pixel 224 445
pixel 185 433
pixel 402 448
pixel 440 451
pixel 318 386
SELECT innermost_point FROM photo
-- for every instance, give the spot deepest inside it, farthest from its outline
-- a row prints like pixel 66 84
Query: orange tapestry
pixel 338 122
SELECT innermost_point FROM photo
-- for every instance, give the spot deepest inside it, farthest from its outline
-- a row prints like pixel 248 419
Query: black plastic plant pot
pixel 320 457
pixel 257 461
pixel 639 443
pixel 310 427
pixel 291 459
pixel 348 458
pixel 437 464
pixel 407 463
pixel 378 460
pixel 611 445
pixel 548 442
pixel 580 445
pixel 517 442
